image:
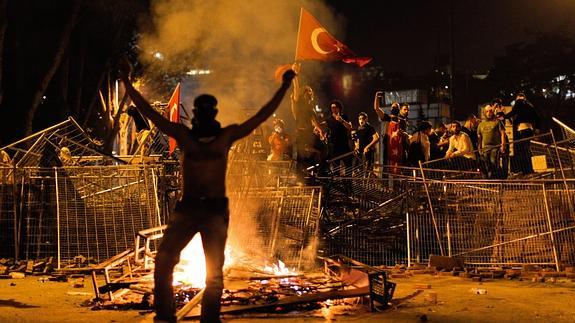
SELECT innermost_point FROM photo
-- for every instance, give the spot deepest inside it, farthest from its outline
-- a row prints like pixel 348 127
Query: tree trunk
pixel 58 56
pixel 79 79
pixel 96 95
pixel 64 80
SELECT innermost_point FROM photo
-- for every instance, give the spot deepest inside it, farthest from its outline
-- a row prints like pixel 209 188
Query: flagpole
pixel 295 88
pixel 298 31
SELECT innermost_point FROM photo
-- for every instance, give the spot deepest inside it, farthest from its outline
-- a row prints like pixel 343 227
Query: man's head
pixel 205 108
pixel 362 118
pixel 307 93
pixel 471 122
pixel 424 127
pixel 455 127
pixel 404 110
pixel 520 96
pixel 336 107
pixel 279 125
pixel 500 115
pixel 489 112
pixel 394 109
pixel 496 103
pixel 440 128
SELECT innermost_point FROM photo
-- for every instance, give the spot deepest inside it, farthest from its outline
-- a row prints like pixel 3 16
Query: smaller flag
pixel 315 43
pixel 173 114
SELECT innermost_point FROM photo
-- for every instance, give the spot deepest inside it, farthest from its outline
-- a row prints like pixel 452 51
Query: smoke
pixel 241 43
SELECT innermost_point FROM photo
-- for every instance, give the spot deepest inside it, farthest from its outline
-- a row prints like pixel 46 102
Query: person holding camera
pixel 378 104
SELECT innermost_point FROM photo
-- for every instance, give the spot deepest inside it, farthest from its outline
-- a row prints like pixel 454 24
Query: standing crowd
pixel 344 144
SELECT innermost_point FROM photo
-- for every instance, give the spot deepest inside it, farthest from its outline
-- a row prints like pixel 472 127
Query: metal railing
pixel 533 157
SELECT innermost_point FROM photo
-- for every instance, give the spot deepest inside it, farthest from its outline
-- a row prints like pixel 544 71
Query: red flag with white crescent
pixel 395 146
pixel 314 42
pixel 173 114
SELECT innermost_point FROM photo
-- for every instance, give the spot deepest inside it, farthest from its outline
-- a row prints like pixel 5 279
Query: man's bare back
pixel 204 164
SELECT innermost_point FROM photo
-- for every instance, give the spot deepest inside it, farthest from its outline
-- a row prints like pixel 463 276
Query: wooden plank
pixel 292 300
pixel 190 305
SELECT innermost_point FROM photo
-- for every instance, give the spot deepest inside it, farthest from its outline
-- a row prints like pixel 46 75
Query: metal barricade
pixel 93 212
pixel 365 218
pixel 9 206
pixel 495 223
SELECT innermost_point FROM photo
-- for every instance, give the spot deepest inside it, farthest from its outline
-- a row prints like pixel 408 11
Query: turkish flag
pixel 315 43
pixel 173 114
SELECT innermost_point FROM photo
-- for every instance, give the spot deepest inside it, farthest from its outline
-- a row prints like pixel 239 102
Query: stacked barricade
pixel 92 212
pixel 365 218
pixel 458 210
pixel 566 156
pixel 270 217
pixel 269 220
pixel 496 223
pixel 8 211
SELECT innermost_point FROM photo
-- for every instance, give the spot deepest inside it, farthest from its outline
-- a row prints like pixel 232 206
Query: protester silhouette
pixel 204 206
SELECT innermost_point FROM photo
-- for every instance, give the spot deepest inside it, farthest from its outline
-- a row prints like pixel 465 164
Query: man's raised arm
pixel 266 111
pixel 378 110
pixel 169 128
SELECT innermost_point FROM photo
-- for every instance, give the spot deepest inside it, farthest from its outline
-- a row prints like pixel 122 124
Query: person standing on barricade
pixel 525 122
pixel 491 143
pixel 280 142
pixel 365 141
pixel 395 138
pixel 419 146
pixel 303 105
pixel 339 128
pixel 470 128
pixel 204 206
pixel 439 141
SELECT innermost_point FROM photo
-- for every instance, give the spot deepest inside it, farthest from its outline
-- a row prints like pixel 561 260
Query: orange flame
pixel 191 270
pixel 279 269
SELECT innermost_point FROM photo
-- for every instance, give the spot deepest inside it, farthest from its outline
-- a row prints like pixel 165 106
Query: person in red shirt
pixel 280 142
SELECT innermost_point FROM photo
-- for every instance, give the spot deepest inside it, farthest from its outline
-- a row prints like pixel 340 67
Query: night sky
pixel 406 36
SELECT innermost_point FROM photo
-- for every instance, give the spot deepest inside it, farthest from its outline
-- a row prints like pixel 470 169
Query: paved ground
pixel 29 300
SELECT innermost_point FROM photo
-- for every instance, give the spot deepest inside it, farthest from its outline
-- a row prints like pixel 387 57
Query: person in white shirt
pixel 459 143
pixel 460 154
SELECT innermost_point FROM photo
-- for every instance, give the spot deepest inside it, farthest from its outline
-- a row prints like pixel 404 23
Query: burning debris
pixel 128 281
pixel 249 289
